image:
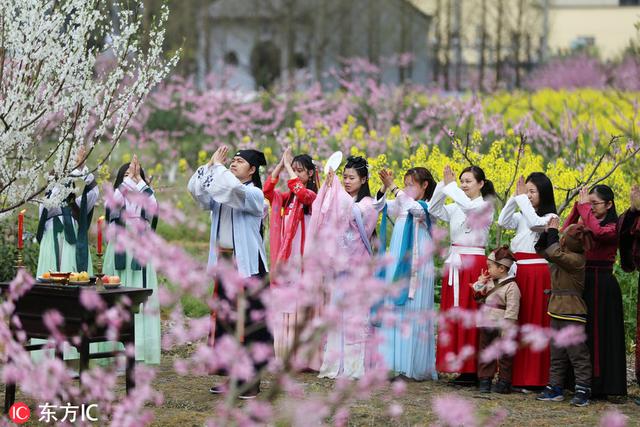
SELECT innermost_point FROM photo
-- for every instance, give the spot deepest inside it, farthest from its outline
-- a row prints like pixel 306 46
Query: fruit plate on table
pixel 53 277
pixel 80 282
pixel 111 282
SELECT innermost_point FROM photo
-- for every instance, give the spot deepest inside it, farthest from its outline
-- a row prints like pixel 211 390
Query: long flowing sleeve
pixel 89 180
pixel 380 202
pixel 302 193
pixel 223 187
pixel 197 190
pixel 465 203
pixel 508 217
pixel 572 218
pixel 603 233
pixel 327 209
pixel 536 223
pixel 412 206
pixel 269 188
pixel 437 207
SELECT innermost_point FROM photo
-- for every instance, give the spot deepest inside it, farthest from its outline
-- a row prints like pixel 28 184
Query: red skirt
pixel 454 335
pixel 530 368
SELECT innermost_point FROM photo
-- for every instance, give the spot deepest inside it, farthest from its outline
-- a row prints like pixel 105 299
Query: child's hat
pixel 505 262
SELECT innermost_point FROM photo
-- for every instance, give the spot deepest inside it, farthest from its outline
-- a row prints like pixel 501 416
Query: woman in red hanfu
pixel 289 219
pixel 469 217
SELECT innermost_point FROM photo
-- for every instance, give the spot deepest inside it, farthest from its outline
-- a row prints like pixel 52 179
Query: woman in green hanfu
pixel 129 186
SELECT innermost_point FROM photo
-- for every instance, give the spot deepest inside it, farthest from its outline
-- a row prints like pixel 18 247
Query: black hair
pixel 306 162
pixel 359 164
pixel 547 202
pixel 422 175
pixel 477 172
pixel 255 178
pixel 120 175
pixel 118 182
pixel 605 193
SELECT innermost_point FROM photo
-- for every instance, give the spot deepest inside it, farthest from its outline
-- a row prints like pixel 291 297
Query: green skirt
pixel 47 262
pixel 147 321
pixel 47 256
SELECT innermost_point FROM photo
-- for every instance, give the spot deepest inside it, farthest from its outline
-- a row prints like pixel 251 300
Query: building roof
pixel 270 9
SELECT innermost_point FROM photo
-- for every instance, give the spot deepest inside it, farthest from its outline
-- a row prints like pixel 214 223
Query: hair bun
pixel 356 162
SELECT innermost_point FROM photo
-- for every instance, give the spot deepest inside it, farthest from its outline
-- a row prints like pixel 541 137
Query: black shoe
pixel 485 385
pixel 250 393
pixel 637 401
pixel 616 399
pixel 219 389
pixel 581 396
pixel 502 387
pixel 465 380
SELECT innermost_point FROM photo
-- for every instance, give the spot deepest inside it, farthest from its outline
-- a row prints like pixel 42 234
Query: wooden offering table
pixel 78 321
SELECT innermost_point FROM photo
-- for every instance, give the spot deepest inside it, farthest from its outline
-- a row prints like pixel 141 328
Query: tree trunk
pixel 437 45
pixel 483 45
pixel 499 26
pixel 290 29
pixel 201 47
pixel 404 26
pixel 518 42
pixel 447 48
pixel 458 42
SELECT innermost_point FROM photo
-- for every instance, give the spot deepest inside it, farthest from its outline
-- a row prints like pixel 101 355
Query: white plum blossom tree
pixel 72 74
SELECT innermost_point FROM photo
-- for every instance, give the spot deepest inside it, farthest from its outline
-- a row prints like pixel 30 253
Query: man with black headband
pixel 235 199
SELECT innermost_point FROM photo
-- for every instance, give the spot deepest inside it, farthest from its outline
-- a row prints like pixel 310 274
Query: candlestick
pixel 100 220
pixel 99 274
pixel 19 259
pixel 21 228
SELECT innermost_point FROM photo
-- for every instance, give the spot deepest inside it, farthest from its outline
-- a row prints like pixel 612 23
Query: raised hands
pixel 448 175
pixel 220 156
pixel 583 196
pixel 287 158
pixel 285 161
pixel 521 187
pixel 554 222
pixel 134 171
pixel 386 176
pixel 484 276
pixel 635 198
pixel 329 177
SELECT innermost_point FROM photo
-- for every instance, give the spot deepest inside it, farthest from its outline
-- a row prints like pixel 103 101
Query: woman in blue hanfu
pixel 405 324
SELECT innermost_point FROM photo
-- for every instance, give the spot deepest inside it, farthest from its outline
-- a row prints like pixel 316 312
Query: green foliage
pixel 8 248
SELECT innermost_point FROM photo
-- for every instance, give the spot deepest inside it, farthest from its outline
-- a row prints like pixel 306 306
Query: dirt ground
pixel 188 403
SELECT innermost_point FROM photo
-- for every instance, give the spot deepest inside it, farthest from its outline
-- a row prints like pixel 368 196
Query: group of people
pixel 63 237
pixel 552 275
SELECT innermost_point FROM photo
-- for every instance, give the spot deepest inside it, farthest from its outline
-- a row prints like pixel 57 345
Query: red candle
pixel 100 234
pixel 21 228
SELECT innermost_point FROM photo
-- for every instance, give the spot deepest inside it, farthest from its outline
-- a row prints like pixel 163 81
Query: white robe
pixel 215 186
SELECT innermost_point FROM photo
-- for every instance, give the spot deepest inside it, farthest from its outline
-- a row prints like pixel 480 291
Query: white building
pixel 269 40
